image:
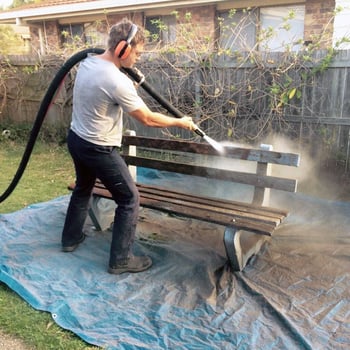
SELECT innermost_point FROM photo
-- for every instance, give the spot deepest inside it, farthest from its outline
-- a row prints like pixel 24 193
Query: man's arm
pixel 159 120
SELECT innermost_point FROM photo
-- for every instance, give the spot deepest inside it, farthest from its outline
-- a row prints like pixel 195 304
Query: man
pixel 101 94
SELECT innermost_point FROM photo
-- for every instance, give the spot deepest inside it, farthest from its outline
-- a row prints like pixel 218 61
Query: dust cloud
pixel 312 177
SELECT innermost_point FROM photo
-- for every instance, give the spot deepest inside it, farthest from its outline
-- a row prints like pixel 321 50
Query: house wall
pixel 35 38
pixel 136 17
pixel 52 35
pixel 318 18
pixel 204 18
pixel 46 35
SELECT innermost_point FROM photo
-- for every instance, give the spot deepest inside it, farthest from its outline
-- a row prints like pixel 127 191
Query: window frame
pixel 164 36
pixel 246 43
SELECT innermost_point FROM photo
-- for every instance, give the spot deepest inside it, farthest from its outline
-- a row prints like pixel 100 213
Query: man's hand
pixel 188 123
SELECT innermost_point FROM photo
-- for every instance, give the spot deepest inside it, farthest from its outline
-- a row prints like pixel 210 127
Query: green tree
pixel 9 40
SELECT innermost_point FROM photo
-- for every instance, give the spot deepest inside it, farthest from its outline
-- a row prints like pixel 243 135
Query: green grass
pixel 49 171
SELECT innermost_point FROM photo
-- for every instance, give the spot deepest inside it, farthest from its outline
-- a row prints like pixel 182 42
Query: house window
pixel 268 28
pixel 238 30
pixel 161 29
pixel 72 34
pixel 282 27
pixel 95 37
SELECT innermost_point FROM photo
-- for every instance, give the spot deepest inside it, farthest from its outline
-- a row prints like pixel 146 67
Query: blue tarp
pixel 295 294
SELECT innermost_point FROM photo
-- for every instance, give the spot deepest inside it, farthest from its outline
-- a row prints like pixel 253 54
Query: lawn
pixel 49 171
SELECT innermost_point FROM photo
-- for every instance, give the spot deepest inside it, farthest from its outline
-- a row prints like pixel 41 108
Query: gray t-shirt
pixel 101 93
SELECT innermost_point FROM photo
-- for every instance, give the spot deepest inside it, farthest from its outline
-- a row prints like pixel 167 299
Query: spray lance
pixel 139 78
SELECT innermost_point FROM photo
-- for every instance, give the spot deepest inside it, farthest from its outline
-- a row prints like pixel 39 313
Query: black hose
pixel 45 104
pixel 139 78
pixel 44 107
pixel 148 88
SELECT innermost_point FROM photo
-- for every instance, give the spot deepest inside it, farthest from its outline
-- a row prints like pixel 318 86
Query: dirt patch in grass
pixel 10 342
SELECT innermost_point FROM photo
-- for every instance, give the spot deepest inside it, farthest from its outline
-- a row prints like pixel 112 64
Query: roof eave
pixel 91 8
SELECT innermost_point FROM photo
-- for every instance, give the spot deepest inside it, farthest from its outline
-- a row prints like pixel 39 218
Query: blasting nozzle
pixel 199 132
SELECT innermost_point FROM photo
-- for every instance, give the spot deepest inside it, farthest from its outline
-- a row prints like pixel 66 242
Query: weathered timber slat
pixel 257 155
pixel 318 120
pixel 218 201
pixel 222 203
pixel 210 207
pixel 257 223
pixel 220 174
pixel 217 218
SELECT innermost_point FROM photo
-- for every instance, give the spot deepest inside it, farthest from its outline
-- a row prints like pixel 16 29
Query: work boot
pixel 131 264
pixel 71 247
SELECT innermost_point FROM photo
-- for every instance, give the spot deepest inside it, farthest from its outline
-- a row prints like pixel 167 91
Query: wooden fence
pixel 320 117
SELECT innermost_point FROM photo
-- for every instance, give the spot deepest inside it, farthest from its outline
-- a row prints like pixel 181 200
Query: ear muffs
pixel 123 48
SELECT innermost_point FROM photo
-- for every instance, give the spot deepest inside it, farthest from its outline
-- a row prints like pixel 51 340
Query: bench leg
pixel 101 212
pixel 233 248
pixel 241 245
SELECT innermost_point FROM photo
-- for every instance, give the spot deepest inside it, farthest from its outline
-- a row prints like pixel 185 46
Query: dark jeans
pixel 92 161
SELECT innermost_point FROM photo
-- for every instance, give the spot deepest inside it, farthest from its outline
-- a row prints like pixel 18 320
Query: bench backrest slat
pixel 213 173
pixel 201 159
pixel 257 155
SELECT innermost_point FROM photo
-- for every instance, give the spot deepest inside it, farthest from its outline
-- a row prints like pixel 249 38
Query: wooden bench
pixel 247 226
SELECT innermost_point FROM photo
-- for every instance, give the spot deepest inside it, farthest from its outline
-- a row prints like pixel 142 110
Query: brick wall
pixel 136 17
pixel 53 36
pixel 201 26
pixel 50 37
pixel 319 21
pixel 34 38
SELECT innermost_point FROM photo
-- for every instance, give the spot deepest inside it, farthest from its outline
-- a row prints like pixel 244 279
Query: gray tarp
pixel 292 295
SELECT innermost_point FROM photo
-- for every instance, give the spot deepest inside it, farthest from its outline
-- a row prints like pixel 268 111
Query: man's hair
pixel 120 31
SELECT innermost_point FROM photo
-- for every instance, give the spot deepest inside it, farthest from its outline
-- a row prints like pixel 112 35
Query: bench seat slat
pixel 245 207
pixel 217 218
pixel 210 207
pixel 211 204
pixel 214 212
pixel 215 202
